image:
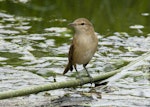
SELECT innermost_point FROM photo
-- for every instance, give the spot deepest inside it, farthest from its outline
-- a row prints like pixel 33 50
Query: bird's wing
pixel 70 58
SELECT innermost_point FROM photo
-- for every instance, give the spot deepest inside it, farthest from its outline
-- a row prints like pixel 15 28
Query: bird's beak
pixel 71 24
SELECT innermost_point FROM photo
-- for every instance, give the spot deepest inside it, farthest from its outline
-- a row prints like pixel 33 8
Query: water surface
pixel 35 38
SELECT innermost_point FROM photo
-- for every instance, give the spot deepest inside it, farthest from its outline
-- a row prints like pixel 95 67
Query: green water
pixel 107 16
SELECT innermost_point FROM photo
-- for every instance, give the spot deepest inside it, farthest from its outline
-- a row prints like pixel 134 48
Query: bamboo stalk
pixel 123 71
pixel 66 84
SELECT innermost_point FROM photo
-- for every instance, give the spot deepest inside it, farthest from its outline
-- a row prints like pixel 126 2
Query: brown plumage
pixel 83 46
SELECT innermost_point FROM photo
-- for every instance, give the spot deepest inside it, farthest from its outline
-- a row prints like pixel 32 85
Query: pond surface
pixel 35 38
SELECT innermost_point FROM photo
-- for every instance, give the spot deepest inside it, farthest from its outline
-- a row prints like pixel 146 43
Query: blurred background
pixel 106 15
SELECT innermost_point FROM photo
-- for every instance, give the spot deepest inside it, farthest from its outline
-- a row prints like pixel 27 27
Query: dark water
pixel 35 37
pixel 106 15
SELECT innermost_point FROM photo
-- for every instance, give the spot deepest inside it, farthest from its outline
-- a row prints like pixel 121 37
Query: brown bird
pixel 84 45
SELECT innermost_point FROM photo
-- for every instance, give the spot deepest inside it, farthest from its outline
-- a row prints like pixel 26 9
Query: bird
pixel 83 46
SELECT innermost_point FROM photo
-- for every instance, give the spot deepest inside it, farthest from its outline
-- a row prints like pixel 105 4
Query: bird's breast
pixel 84 49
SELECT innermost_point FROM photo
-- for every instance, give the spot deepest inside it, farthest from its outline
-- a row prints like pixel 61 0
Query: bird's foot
pixel 91 79
pixel 81 79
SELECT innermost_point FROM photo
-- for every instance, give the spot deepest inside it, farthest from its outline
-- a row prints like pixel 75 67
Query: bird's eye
pixel 82 23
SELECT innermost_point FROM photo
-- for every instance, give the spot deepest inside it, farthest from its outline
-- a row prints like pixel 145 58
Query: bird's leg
pixel 82 81
pixel 91 79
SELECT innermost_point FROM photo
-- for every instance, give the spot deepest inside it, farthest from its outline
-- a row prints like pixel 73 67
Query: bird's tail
pixel 68 67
